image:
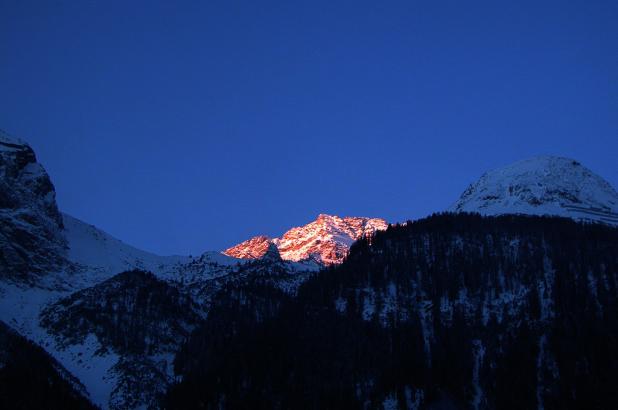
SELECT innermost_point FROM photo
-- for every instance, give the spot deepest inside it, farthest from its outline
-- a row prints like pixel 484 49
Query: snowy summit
pixel 544 185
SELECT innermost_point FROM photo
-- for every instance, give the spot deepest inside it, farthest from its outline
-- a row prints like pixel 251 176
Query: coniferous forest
pixel 454 311
pixel 31 379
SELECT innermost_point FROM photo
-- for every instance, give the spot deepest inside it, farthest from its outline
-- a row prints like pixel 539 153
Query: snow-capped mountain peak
pixel 544 185
pixel 326 240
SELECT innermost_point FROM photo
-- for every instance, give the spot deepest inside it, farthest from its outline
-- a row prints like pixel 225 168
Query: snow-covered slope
pixel 543 185
pixel 93 259
pixel 49 384
pixel 326 240
pixel 136 316
pixel 52 259
pixel 99 255
pixel 96 256
pixel 115 378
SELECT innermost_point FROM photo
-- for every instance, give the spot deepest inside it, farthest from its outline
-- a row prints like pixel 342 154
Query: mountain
pixel 31 240
pixel 88 314
pixel 542 186
pixel 90 299
pixel 119 319
pixel 96 256
pixel 253 248
pixel 326 240
pixel 454 311
pixel 136 316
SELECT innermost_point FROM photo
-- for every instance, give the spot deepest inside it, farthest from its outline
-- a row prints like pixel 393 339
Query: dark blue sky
pixel 181 128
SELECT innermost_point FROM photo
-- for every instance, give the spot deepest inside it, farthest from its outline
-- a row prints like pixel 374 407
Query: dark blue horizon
pixel 180 129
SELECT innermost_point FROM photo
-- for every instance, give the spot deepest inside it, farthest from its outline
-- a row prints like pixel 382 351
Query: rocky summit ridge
pixel 326 240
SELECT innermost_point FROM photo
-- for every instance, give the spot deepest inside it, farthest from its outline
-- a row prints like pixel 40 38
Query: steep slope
pixel 31 240
pixel 253 248
pixel 120 336
pixel 113 377
pixel 78 335
pixel 31 379
pixel 542 186
pixel 139 318
pixel 95 255
pixel 326 240
pixel 132 311
pixel 67 269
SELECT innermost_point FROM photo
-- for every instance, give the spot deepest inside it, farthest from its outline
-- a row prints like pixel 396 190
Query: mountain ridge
pixel 61 258
pixel 327 239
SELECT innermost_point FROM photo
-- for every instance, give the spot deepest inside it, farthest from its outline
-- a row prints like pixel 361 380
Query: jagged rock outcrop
pixel 31 239
pixel 542 186
pixel 326 240
pixel 253 248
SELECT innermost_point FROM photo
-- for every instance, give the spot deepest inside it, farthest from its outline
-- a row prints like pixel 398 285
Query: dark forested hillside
pixel 31 379
pixel 453 311
pixel 134 315
pixel 132 312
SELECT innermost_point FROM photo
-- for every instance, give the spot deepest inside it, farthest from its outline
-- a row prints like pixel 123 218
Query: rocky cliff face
pixel 31 239
pixel 326 240
pixel 542 186
pixel 253 248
